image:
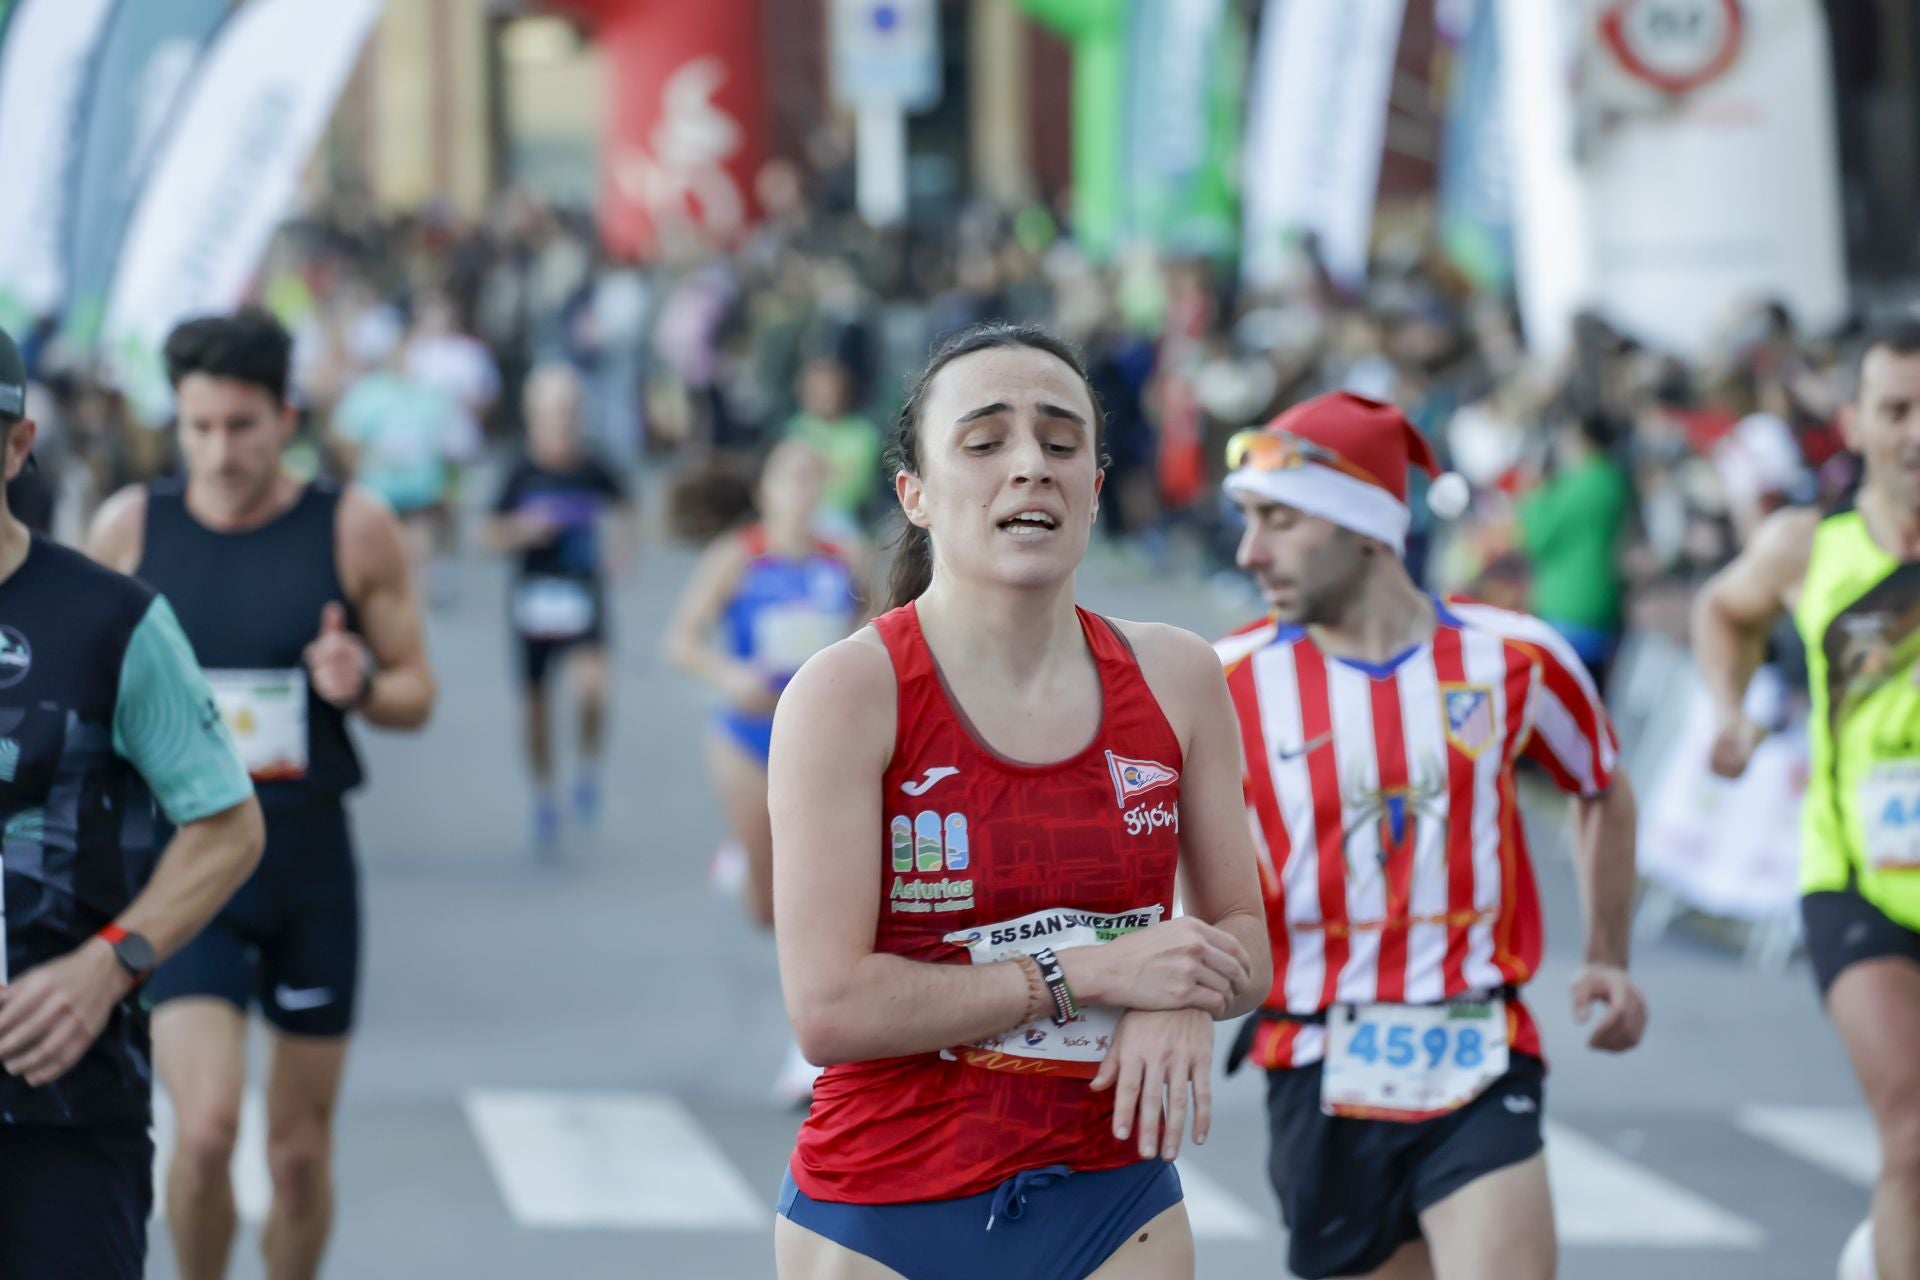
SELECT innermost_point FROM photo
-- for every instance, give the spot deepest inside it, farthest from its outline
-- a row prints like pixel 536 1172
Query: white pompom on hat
pixel 1449 495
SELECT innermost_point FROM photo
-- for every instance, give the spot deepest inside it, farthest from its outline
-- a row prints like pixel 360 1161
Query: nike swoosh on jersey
pixel 929 780
pixel 1305 748
pixel 293 1001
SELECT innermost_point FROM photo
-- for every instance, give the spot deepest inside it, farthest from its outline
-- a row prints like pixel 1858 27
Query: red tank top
pixel 979 856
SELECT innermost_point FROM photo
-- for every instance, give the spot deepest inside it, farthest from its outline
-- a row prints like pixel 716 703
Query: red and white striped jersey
pixel 1385 813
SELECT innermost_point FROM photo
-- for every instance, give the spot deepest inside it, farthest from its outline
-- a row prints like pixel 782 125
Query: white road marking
pixel 632 1160
pixel 1215 1212
pixel 1840 1140
pixel 1601 1198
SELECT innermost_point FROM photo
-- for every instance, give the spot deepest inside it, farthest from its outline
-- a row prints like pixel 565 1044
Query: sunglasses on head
pixel 1265 450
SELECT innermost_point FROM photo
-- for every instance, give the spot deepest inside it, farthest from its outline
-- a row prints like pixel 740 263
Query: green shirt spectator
pixel 1571 528
pixel 848 443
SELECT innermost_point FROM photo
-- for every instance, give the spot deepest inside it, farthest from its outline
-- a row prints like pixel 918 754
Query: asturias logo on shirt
pixel 927 844
pixel 1133 778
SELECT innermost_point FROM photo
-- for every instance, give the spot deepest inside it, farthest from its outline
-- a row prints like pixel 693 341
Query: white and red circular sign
pixel 1674 45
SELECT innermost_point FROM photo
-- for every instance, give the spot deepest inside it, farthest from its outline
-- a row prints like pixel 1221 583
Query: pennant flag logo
pixel 1137 777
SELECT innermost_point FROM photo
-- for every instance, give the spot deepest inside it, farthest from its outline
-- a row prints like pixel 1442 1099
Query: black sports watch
pixel 132 950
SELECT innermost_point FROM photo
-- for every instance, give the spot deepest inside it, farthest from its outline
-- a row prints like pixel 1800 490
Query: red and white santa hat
pixel 1344 458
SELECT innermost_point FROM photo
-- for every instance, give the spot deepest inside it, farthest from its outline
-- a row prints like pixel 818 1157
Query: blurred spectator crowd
pixel 1606 485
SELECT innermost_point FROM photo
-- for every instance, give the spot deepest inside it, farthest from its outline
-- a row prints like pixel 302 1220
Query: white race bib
pixel 786 635
pixel 1890 812
pixel 554 608
pixel 266 711
pixel 1042 1047
pixel 1411 1062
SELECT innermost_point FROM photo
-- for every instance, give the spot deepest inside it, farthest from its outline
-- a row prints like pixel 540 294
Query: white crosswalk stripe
pixel 1215 1212
pixel 632 1160
pixel 1601 1198
pixel 1840 1140
pixel 252 1185
pixel 643 1162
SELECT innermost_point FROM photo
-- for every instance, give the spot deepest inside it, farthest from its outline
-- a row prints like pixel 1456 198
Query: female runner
pixel 768 594
pixel 979 805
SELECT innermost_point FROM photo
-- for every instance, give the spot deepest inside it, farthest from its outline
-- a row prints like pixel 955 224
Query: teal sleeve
pixel 166 725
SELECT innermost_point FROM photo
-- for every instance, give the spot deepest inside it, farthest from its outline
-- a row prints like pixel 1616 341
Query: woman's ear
pixel 913 498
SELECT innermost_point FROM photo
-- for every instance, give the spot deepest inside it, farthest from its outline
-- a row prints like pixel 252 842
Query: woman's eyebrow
pixel 984 411
pixel 1000 406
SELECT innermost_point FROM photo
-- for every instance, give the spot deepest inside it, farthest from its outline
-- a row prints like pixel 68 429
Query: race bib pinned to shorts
pixel 1890 813
pixel 1041 1047
pixel 1411 1062
pixel 266 712
pixel 554 608
pixel 786 635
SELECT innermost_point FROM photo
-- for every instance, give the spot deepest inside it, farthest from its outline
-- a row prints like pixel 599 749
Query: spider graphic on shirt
pixel 1392 814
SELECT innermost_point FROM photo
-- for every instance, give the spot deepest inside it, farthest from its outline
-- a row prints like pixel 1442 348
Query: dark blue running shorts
pixel 1043 1224
pixel 290 938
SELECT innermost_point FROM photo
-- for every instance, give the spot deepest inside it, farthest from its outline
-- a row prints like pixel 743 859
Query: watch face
pixel 135 952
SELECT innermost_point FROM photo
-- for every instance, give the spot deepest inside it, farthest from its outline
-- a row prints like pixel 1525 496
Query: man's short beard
pixel 1329 603
pixel 1329 607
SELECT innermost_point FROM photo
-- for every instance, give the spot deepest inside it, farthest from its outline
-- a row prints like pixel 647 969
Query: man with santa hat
pixel 1381 729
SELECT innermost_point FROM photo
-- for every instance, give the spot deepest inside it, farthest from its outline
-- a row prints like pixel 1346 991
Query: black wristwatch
pixel 132 950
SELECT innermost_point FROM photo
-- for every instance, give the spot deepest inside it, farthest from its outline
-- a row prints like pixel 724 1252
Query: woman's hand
pixel 1178 964
pixel 1157 1058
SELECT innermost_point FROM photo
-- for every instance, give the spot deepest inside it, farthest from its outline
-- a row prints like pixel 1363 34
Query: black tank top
pixel 251 601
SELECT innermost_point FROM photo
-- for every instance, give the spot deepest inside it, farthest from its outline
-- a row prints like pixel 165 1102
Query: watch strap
pixel 1055 975
pixel 113 935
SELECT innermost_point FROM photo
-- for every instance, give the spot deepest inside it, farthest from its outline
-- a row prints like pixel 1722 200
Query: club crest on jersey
pixel 1133 778
pixel 1469 713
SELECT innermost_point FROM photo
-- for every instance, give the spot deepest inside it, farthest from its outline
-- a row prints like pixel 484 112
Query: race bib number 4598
pixel 1411 1062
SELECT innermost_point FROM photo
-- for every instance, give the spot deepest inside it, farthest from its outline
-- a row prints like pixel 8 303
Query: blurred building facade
pixel 458 100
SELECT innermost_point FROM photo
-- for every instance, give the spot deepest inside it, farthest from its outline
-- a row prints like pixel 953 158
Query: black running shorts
pixel 1352 1191
pixel 74 1203
pixel 1844 929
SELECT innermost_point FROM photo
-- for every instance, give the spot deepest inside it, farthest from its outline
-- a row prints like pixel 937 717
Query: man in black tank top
pixel 102 712
pixel 298 600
